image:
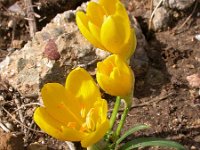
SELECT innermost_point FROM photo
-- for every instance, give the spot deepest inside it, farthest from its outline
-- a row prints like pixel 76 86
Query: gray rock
pixel 139 61
pixel 161 19
pixel 29 68
pixel 175 4
pixel 180 4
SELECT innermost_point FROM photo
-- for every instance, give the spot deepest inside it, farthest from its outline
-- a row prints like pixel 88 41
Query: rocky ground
pixel 166 64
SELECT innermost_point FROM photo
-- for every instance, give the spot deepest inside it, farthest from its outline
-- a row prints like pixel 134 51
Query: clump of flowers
pixel 76 111
pixel 106 25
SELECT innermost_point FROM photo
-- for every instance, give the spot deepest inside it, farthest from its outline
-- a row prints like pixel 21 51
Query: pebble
pixel 197 37
pixel 1 98
pixel 161 19
pixel 9 126
pixel 193 147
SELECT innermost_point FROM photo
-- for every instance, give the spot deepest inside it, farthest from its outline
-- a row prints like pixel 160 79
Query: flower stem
pixel 122 121
pixel 128 102
pixel 114 113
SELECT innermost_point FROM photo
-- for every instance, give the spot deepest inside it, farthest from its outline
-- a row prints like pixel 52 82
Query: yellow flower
pixel 115 77
pixel 75 112
pixel 106 25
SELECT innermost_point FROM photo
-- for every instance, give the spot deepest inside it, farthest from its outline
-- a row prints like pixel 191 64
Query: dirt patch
pixel 171 105
pixel 163 97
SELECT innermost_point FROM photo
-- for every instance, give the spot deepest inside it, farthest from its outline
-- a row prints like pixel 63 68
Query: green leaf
pixel 131 131
pixel 149 141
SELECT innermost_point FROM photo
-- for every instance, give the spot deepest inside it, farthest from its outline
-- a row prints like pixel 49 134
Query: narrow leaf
pixel 149 141
pixel 131 131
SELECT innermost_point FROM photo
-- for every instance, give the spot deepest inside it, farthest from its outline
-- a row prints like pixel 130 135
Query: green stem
pixel 122 121
pixel 128 102
pixel 114 113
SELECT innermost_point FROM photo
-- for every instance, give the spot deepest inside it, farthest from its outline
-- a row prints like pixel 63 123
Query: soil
pixel 164 99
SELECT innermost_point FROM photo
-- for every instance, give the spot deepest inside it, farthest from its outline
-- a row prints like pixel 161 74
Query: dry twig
pixel 19 110
pixel 155 100
pixel 21 124
pixel 26 105
pixel 31 17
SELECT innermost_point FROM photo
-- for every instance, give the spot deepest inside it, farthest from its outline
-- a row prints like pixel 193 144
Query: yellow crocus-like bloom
pixel 107 26
pixel 115 77
pixel 75 112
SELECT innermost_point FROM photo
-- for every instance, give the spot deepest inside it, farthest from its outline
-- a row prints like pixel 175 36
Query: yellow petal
pixel 125 87
pixel 104 82
pixel 105 66
pixel 72 135
pixel 102 106
pixel 47 123
pixel 94 137
pixel 109 5
pixel 60 105
pixel 82 22
pixel 95 31
pixel 114 34
pixel 120 14
pixel 80 84
pixel 115 87
pixel 115 31
pixel 128 48
pixel 95 8
pixel 121 11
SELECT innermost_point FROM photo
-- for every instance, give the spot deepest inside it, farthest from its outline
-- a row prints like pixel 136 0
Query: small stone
pixel 11 89
pixel 193 147
pixel 197 37
pixel 194 80
pixel 51 50
pixel 161 19
pixel 9 126
pixel 1 98
pixel 10 24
